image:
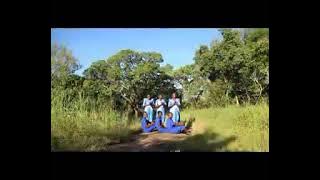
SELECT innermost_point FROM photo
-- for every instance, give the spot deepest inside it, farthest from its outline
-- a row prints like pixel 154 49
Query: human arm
pixel 177 102
pixel 157 104
pixel 144 103
pixel 163 102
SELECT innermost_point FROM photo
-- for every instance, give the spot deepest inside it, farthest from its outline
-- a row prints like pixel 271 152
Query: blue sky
pixel 177 46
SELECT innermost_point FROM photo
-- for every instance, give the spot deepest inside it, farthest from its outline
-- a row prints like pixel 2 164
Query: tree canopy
pixel 234 69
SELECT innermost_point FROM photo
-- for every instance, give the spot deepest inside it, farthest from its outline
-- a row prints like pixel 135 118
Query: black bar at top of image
pixel 138 15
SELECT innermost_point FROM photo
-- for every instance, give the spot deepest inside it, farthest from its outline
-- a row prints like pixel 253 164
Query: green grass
pixel 233 128
pixel 75 128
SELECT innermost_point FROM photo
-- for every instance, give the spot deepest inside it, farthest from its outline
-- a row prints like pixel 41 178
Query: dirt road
pixel 149 142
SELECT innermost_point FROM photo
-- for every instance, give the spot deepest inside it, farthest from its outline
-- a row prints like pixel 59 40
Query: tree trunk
pixel 260 91
pixel 248 97
pixel 136 112
pixel 227 91
pixel 237 101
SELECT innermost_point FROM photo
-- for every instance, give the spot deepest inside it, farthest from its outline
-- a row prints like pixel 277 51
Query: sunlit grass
pixel 248 124
pixel 232 128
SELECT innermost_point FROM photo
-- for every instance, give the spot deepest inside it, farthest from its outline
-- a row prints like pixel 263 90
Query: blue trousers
pixel 149 110
pixel 176 116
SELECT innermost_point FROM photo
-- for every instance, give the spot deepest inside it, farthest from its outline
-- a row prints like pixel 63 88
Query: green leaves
pixel 129 75
pixel 167 69
pixel 63 64
pixel 256 34
pixel 235 67
pixel 152 57
pixel 242 63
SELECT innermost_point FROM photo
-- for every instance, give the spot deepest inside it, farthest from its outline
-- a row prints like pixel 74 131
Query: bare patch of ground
pixel 157 142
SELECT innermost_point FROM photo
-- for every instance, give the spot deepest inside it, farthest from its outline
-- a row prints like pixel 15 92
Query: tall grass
pixel 77 127
pixel 249 124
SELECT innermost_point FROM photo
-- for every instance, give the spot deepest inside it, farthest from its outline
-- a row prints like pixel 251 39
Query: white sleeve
pixel 144 102
pixel 170 103
pixel 164 102
pixel 178 102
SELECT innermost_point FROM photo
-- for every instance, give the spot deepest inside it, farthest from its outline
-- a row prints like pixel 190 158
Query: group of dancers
pixel 170 125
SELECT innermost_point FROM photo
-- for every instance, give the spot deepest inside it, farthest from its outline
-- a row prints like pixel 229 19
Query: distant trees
pixel 127 77
pixel 167 69
pixel 241 64
pixel 63 64
pixel 233 70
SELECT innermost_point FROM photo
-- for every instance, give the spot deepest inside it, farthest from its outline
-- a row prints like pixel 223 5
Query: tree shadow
pixel 207 141
pixel 204 142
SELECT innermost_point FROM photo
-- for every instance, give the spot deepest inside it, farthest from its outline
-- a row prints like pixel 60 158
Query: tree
pixel 167 69
pixel 242 64
pixel 128 76
pixel 191 82
pixel 256 34
pixel 63 63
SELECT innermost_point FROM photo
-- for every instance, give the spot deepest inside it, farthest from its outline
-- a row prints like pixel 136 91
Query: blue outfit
pixel 159 127
pixel 163 103
pixel 147 103
pixel 144 125
pixel 174 108
pixel 170 127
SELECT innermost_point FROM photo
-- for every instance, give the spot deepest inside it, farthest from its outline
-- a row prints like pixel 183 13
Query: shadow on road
pixel 207 141
pixel 204 142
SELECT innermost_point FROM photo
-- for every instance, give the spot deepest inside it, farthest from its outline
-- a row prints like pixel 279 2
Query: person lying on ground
pixel 170 126
pixel 146 125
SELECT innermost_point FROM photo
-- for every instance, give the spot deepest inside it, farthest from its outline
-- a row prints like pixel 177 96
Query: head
pixel 145 114
pixel 160 96
pixel 148 96
pixel 159 114
pixel 173 95
pixel 169 115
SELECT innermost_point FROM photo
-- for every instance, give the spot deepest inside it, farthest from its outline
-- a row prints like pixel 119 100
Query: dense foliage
pixel 232 70
pixel 92 111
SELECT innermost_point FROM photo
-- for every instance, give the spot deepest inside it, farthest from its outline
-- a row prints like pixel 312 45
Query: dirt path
pixel 144 142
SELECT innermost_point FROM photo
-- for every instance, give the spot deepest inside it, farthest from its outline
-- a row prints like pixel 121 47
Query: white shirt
pixel 176 106
pixel 147 102
pixel 160 102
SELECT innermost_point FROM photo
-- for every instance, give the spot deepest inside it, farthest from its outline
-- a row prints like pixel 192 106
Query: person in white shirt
pixel 173 105
pixel 147 105
pixel 160 103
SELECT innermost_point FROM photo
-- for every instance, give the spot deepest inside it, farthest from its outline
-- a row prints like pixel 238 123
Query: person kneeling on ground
pixel 146 125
